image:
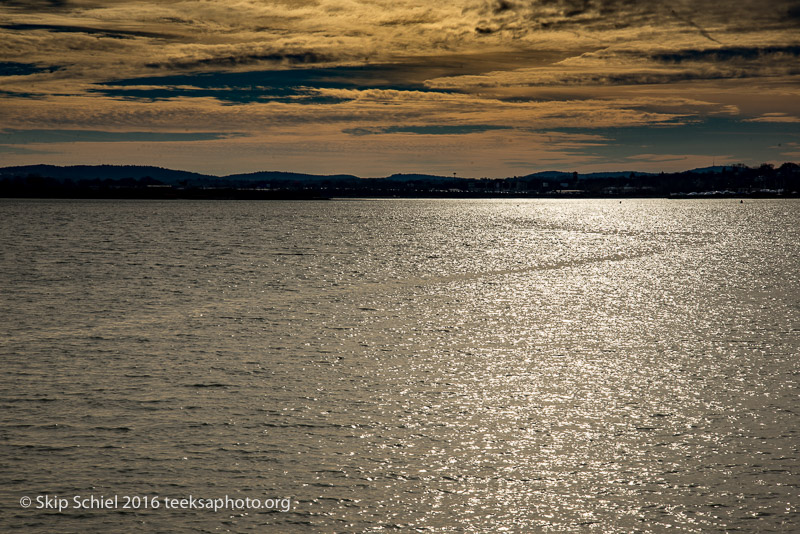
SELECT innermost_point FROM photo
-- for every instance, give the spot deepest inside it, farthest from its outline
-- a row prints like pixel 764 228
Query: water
pixel 414 365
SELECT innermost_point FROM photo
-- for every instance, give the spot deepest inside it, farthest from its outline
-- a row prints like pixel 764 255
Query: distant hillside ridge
pixel 142 181
pixel 175 177
pixel 104 172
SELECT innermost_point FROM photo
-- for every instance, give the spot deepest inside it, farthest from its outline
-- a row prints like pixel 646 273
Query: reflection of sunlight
pixel 559 388
pixel 528 365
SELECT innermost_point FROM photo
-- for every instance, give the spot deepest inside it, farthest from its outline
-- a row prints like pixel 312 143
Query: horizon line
pixel 454 175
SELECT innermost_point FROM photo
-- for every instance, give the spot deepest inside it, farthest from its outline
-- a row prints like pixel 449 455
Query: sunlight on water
pixel 431 365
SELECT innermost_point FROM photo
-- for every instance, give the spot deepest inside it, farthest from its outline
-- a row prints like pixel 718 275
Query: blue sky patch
pixel 263 86
pixel 720 136
pixel 12 68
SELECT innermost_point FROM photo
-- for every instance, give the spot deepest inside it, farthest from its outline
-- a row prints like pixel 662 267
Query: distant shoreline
pixel 236 195
pixel 147 182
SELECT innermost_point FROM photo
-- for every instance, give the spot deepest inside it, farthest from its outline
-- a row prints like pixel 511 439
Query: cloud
pixel 289 85
pixel 35 5
pixel 791 150
pixel 22 151
pixel 230 61
pixel 630 66
pixel 23 137
pixel 775 117
pixel 388 74
pixel 431 129
pixel 57 28
pixel 701 18
pixel 665 157
pixel 247 34
pixel 476 155
pixel 693 24
pixel 743 141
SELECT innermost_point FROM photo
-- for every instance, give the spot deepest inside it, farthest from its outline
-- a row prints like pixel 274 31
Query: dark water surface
pixel 413 365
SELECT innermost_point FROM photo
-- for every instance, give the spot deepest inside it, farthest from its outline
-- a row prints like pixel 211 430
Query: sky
pixel 480 88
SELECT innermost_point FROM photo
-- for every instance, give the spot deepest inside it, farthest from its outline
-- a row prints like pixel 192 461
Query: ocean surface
pixel 401 365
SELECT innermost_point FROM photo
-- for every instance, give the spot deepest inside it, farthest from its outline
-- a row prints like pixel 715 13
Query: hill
pixel 103 172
